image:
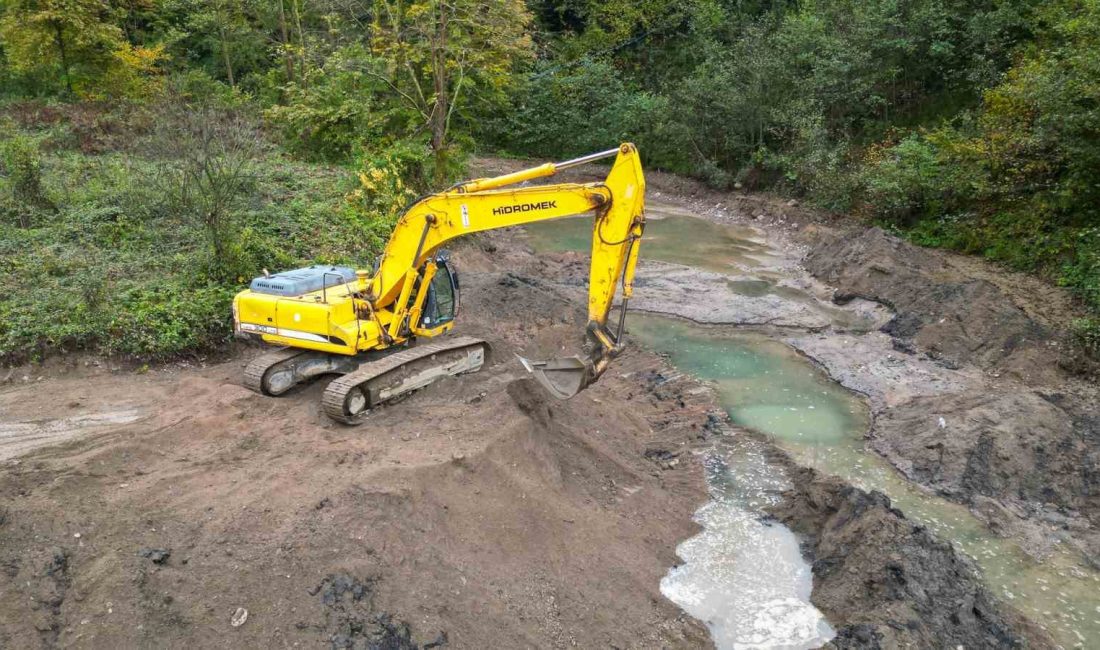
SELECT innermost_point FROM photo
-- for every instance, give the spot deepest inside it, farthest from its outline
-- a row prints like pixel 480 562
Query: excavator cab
pixel 441 305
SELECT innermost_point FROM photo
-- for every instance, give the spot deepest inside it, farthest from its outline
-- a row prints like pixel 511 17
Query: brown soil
pixel 477 512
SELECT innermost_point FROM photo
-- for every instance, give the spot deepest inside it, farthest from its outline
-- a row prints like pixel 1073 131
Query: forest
pixel 155 154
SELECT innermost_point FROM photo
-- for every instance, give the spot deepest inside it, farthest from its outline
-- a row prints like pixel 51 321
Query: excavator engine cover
pixel 302 281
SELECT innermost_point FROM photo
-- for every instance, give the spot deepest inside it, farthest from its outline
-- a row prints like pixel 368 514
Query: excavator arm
pixel 490 203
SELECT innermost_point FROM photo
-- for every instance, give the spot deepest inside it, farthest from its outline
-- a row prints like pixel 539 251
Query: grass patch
pixel 106 262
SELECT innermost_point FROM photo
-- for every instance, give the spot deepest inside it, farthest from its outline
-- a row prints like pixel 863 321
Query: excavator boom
pixel 357 314
pixel 486 204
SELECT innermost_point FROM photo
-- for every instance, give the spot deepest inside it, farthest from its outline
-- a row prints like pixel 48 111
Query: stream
pixel 746 579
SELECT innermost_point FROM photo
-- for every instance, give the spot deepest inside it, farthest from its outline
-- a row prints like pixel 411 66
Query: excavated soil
pixel 174 508
pixel 478 513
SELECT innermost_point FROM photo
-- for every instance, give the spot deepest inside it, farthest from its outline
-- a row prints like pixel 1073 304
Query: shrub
pixel 585 109
pixel 208 174
pixel 166 321
pixel 388 180
pixel 328 114
pixel 23 167
pixel 1087 333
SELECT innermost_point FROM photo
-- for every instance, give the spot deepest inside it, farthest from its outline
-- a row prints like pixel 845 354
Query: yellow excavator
pixel 370 327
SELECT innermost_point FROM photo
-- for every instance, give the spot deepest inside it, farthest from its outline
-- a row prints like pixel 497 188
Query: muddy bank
pixel 890 369
pixel 886 582
pixel 996 422
pixel 939 309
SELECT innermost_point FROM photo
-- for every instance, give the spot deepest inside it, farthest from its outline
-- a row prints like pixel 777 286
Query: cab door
pixel 441 304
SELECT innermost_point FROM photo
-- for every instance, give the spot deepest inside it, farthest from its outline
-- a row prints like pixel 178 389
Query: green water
pixel 711 246
pixel 766 386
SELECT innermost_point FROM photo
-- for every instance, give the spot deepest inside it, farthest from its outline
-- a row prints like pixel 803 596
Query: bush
pixel 328 114
pixel 207 175
pixel 581 110
pixel 23 187
pixel 388 181
pixel 166 321
pixel 1087 333
pixel 903 183
pixel 118 270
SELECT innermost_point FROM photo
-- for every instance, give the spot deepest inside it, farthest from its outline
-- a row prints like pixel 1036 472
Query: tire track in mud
pixel 18 437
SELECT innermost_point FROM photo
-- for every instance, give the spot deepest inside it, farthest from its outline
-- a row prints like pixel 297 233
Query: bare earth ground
pixel 474 514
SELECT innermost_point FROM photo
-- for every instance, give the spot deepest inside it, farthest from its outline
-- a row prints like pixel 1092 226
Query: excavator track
pixel 277 372
pixel 348 399
pixel 257 368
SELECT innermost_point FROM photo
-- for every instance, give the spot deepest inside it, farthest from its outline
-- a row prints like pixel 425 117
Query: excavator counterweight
pixel 366 326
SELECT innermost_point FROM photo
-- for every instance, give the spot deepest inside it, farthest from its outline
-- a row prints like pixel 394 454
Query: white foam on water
pixel 743 577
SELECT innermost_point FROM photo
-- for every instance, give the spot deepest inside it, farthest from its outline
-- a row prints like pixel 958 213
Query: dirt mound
pixel 885 582
pixel 957 318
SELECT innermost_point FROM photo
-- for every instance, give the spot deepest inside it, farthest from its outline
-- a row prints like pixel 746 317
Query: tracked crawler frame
pixel 366 380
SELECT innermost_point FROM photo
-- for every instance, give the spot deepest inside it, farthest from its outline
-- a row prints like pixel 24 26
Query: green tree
pixel 440 56
pixel 74 38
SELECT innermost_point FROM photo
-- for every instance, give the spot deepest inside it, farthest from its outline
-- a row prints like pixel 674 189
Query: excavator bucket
pixel 563 377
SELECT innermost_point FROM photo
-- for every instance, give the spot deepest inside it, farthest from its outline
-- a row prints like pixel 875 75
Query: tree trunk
pixel 442 102
pixel 301 41
pixel 59 37
pixel 288 59
pixel 225 55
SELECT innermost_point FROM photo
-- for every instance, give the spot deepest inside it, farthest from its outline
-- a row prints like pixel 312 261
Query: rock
pixel 792 203
pixel 239 617
pixel 902 346
pixel 157 555
pixel 662 458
